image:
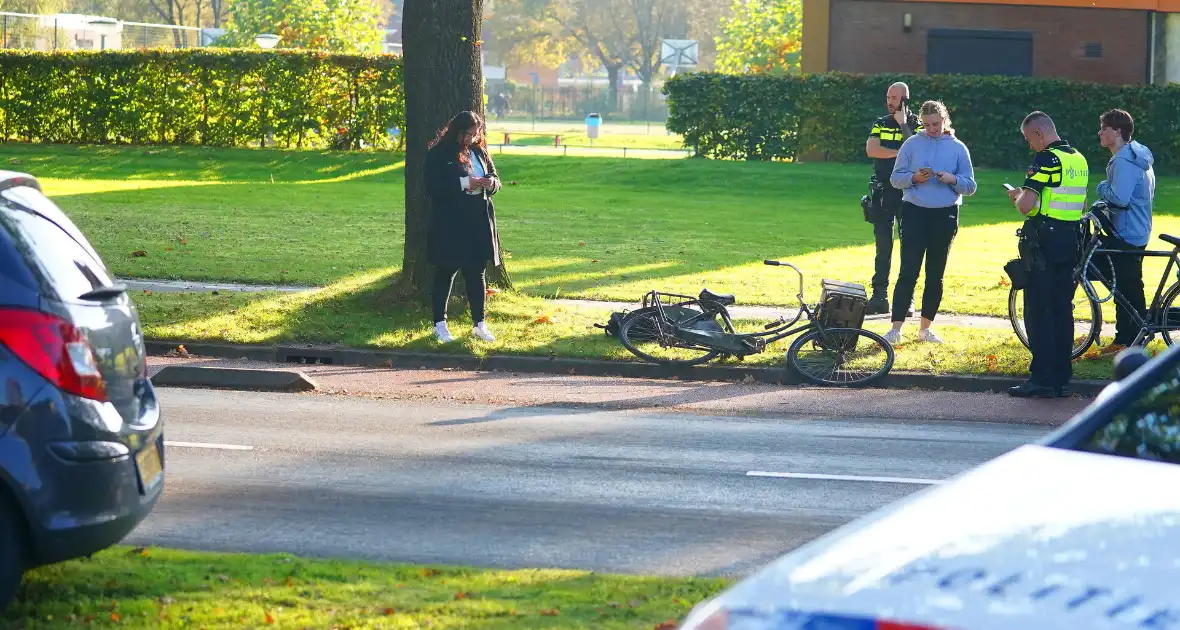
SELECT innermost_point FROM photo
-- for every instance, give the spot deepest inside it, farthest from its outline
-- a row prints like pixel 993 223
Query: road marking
pixel 789 475
pixel 220 447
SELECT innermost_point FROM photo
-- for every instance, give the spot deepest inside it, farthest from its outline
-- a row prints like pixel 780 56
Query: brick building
pixel 1106 41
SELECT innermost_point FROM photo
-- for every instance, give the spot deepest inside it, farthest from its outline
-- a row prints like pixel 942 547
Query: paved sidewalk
pixel 524 390
pixel 741 312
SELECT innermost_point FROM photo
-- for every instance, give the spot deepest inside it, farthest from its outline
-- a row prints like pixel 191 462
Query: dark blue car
pixel 81 439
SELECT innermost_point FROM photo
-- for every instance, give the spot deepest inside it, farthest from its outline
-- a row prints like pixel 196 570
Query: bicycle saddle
pixel 719 298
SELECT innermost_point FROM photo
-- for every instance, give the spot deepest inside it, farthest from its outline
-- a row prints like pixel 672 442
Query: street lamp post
pixel 265 41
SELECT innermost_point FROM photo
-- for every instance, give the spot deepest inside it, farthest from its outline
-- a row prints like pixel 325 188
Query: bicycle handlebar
pixel 776 263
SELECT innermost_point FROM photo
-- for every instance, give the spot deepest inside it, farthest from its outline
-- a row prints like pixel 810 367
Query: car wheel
pixel 12 561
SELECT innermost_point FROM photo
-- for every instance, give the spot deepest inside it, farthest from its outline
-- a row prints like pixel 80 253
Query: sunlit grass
pixel 356 313
pixel 162 588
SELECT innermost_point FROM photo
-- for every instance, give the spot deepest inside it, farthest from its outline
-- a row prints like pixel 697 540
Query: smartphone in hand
pixel 1008 186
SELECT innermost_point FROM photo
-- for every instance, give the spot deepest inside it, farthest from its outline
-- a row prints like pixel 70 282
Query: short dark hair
pixel 1121 121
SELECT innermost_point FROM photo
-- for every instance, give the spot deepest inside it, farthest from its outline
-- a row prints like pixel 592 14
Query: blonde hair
pixel 930 108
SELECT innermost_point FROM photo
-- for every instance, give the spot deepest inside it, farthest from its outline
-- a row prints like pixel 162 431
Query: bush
pixel 759 117
pixel 212 97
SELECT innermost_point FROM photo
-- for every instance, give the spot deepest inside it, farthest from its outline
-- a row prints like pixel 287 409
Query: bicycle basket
pixel 842 304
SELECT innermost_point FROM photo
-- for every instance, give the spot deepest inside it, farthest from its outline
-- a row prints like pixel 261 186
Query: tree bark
pixel 443 75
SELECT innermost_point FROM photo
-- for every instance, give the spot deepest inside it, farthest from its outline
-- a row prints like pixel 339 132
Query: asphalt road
pixel 451 483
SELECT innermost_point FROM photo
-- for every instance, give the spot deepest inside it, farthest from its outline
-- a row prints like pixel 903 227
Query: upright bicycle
pixel 1163 314
pixel 674 329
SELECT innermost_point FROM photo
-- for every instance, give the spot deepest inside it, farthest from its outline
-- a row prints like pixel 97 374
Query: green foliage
pixel 209 97
pixel 762 117
pixel 762 36
pixel 349 26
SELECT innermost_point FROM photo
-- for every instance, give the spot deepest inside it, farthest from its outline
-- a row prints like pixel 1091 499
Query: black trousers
pixel 890 207
pixel 1128 277
pixel 1048 304
pixel 926 234
pixel 444 279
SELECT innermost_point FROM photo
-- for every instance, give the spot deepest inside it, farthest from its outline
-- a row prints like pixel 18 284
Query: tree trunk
pixel 612 73
pixel 443 76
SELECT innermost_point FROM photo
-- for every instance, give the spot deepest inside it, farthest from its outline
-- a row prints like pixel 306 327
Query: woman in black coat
pixel 461 179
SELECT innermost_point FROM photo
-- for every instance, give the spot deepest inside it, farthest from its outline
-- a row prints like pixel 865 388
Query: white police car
pixel 1078 531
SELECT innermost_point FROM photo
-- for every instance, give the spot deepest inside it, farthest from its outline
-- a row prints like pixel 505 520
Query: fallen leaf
pixel 115 617
pixel 270 619
pixel 551 612
pixel 388 611
pixel 543 319
pixel 139 253
pixel 670 624
pixel 460 595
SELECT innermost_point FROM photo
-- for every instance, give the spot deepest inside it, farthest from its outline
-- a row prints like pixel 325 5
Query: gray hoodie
pixel 944 153
pixel 1130 191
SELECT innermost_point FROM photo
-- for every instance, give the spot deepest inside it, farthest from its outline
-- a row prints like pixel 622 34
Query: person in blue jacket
pixel 1129 190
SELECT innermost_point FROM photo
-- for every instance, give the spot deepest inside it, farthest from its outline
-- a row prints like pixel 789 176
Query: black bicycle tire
pixel 1170 294
pixel 634 316
pixel 793 356
pixel 1017 324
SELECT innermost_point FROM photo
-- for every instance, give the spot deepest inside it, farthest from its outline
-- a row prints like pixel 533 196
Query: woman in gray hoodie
pixel 934 172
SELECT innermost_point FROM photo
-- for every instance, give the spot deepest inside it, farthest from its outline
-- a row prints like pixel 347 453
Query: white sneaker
pixel 893 336
pixel 442 333
pixel 481 330
pixel 928 336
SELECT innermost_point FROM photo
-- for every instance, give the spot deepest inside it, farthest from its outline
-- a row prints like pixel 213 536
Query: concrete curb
pixel 233 378
pixel 585 367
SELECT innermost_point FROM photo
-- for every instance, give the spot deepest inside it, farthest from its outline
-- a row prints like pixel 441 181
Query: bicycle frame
pixel 774 332
pixel 1146 327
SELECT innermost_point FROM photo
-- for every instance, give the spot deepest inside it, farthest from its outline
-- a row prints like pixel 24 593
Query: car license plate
pixel 150 467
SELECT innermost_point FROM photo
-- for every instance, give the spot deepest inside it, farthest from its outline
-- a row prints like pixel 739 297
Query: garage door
pixel 968 51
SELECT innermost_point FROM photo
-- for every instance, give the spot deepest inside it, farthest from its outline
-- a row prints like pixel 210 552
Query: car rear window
pixel 67 267
pixel 1147 428
pixel 12 263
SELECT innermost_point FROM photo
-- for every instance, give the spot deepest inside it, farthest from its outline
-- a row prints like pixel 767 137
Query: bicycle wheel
pixel 841 356
pixel 651 338
pixel 1087 315
pixel 1169 313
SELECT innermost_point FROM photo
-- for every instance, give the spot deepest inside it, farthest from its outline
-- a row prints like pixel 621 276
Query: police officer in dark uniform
pixel 884 202
pixel 1053 198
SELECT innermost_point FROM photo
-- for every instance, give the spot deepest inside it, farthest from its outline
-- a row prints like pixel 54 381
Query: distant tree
pixel 762 36
pixel 333 25
pixel 522 32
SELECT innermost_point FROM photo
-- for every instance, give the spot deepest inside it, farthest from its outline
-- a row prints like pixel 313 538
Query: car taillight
pixel 55 349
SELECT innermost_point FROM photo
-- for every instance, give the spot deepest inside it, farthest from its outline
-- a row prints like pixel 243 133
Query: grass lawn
pixel 573 227
pixel 159 588
pixel 353 313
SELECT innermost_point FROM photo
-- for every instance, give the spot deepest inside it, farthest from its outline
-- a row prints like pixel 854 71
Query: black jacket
pixel 462 227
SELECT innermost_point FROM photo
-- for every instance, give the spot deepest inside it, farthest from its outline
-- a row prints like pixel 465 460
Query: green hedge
pixel 212 97
pixel 758 117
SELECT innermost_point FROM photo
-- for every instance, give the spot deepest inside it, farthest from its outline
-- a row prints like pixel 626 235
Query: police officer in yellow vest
pixel 1053 198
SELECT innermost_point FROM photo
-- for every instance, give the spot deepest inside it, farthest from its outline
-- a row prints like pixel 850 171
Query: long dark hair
pixel 451 135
